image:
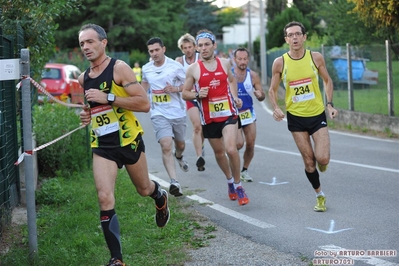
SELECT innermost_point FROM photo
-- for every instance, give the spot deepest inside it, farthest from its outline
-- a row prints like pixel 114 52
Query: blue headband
pixel 205 35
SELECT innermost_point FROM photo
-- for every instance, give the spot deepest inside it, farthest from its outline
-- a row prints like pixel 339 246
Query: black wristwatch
pixel 197 95
pixel 111 98
pixel 330 103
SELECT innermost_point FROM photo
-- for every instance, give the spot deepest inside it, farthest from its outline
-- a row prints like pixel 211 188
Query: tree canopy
pixel 383 15
pixel 54 24
pixel 37 20
pixel 275 35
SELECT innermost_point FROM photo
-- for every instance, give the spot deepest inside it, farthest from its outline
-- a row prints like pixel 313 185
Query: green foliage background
pixel 66 156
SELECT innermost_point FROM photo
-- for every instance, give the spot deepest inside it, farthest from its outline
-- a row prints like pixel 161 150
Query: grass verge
pixel 69 231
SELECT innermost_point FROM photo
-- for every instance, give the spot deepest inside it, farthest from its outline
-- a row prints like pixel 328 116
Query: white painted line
pixel 232 213
pixel 162 182
pixel 332 160
pixel 268 110
pixel 366 259
pixel 274 182
pixel 330 229
pixel 219 208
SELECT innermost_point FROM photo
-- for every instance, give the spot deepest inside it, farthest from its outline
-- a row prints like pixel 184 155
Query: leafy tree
pixel 275 35
pixel 310 9
pixel 384 15
pixel 229 16
pixel 129 24
pixel 342 25
pixel 201 15
pixel 274 8
pixel 37 21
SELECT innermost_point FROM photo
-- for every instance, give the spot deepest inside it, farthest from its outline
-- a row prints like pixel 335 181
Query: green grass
pixel 371 99
pixel 69 231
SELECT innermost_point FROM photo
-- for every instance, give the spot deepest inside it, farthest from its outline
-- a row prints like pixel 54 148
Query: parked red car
pixel 61 81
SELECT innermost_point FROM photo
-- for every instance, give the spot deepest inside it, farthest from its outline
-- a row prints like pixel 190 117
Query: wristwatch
pixel 197 95
pixel 330 103
pixel 111 98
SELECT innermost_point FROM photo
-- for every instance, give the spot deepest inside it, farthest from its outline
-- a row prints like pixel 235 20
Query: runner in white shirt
pixel 164 78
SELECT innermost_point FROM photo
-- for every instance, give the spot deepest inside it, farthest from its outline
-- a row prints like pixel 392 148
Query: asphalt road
pixel 361 187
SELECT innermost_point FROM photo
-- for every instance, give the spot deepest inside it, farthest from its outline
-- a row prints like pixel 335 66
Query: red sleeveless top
pixel 218 106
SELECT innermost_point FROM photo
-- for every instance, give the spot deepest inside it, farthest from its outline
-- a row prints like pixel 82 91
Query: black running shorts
pixel 214 130
pixel 308 124
pixel 128 154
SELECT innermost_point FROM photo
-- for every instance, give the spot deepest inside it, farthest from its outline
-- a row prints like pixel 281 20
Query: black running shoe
pixel 200 164
pixel 115 262
pixel 162 215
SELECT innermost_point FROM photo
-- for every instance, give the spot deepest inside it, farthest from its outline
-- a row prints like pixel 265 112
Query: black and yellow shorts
pixel 128 154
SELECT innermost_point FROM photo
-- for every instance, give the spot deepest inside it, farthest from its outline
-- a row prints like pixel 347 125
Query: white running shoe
pixel 182 163
pixel 175 188
pixel 245 176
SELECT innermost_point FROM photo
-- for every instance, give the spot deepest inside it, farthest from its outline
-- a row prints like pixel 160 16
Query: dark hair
pixel 155 40
pixel 241 49
pixel 294 23
pixel 100 31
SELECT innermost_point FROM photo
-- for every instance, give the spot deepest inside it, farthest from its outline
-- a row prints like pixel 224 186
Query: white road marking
pixel 366 259
pixel 269 111
pixel 330 229
pixel 232 213
pixel 274 182
pixel 218 207
pixel 332 160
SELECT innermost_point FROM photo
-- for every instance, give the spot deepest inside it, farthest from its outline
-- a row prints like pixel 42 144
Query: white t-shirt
pixel 169 105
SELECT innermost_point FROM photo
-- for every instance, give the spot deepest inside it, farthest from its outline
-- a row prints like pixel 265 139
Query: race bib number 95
pixel 104 120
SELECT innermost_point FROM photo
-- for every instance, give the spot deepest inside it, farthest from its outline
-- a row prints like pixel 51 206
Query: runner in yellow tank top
pixel 303 97
pixel 306 116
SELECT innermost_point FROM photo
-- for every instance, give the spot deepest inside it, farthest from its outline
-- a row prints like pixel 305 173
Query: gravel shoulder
pixel 227 248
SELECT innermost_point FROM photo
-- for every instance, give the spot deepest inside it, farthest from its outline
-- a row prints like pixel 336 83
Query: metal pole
pixel 350 79
pixel 249 28
pixel 28 160
pixel 324 87
pixel 263 66
pixel 391 111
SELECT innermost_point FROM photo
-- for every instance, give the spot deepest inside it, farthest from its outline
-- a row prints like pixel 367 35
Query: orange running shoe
pixel 242 197
pixel 232 192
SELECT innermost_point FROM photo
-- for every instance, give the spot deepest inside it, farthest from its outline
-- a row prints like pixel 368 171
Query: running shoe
pixel 200 164
pixel 115 262
pixel 245 176
pixel 232 192
pixel 182 163
pixel 320 204
pixel 162 214
pixel 175 188
pixel 322 168
pixel 242 196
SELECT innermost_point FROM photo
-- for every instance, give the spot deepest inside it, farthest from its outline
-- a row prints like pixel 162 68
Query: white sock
pixel 320 193
pixel 230 181
pixel 237 185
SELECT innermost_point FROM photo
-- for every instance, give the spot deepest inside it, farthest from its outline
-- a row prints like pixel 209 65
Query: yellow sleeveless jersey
pixel 301 81
pixel 111 126
pixel 137 72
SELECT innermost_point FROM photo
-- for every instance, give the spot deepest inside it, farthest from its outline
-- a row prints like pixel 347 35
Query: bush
pixel 137 56
pixel 51 192
pixel 68 155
